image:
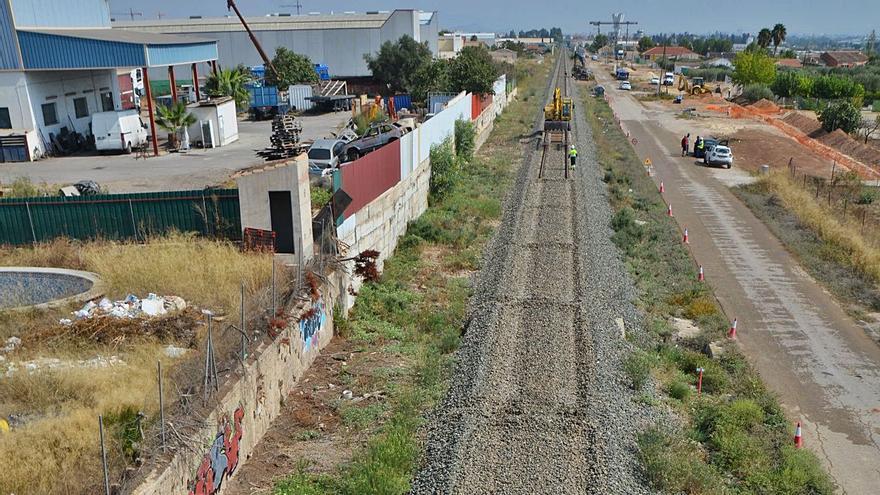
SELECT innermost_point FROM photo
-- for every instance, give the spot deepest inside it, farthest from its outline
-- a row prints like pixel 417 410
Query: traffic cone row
pixel 798 440
pixel 662 189
pixel 669 209
pixel 731 334
pixel 685 238
pixel 701 277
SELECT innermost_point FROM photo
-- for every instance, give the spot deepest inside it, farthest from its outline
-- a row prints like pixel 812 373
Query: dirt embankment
pixel 837 140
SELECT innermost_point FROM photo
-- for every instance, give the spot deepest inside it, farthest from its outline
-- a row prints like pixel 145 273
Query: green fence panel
pixel 210 212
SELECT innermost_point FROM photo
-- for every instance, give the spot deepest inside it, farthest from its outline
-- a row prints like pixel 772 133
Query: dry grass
pixel 843 237
pixel 57 450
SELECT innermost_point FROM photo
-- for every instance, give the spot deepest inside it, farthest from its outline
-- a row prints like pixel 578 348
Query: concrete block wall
pixel 247 404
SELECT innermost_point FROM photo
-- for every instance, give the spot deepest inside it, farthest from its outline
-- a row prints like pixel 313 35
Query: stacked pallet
pixel 286 143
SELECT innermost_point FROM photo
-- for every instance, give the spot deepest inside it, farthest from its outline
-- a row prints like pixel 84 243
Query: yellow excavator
pixel 697 86
pixel 557 115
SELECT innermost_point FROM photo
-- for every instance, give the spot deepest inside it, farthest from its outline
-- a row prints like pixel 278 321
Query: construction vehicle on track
pixel 696 86
pixel 557 115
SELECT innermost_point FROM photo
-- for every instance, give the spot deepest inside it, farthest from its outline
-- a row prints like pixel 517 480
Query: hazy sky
pixel 702 16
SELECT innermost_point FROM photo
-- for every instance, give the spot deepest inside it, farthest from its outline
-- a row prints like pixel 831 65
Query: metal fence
pixel 847 197
pixel 211 212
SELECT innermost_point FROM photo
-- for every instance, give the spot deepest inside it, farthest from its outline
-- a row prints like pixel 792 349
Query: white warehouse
pixel 339 41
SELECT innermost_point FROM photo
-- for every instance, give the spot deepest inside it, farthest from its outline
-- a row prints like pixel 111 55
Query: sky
pixel 653 16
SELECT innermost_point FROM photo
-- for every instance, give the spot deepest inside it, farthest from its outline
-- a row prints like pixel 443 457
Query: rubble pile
pixel 130 307
pixel 286 143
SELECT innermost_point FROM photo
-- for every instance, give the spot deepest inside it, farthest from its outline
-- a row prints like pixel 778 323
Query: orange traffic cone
pixel 662 189
pixel 669 210
pixel 731 334
pixel 701 277
pixel 685 238
pixel 798 440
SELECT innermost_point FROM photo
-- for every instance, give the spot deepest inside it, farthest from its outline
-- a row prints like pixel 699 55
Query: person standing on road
pixel 685 144
pixel 699 145
pixel 572 155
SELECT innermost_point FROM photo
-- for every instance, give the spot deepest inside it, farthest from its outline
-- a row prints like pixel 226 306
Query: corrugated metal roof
pixel 109 48
pixel 269 23
pixel 122 36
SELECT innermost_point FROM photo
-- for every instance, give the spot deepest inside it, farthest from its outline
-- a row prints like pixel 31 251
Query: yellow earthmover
pixel 695 87
pixel 557 115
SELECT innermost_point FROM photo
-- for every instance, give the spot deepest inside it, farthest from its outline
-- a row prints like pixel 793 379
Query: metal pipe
pixel 173 83
pixel 195 74
pixel 149 95
pixel 161 405
pixel 230 4
pixel 104 455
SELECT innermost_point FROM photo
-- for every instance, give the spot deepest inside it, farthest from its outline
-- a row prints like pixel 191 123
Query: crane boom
pixel 230 4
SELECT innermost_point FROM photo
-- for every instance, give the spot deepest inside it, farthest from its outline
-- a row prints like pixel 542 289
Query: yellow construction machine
pixel 697 86
pixel 557 115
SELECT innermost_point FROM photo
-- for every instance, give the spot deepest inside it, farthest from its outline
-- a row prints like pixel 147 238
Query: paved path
pixel 824 367
pixel 173 171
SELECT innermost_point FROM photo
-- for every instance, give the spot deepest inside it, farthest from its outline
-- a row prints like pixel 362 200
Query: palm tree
pixel 230 82
pixel 173 119
pixel 777 35
pixel 764 38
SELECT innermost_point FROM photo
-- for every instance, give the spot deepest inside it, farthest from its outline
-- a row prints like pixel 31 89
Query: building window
pixel 107 102
pixel 81 107
pixel 5 121
pixel 50 116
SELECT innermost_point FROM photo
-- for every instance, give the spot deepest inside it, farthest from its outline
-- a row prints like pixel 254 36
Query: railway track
pixel 527 410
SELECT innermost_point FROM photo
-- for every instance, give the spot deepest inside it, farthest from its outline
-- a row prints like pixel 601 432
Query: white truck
pixel 118 131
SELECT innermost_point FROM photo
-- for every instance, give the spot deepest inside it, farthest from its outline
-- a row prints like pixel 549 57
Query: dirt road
pixel 537 403
pixel 824 367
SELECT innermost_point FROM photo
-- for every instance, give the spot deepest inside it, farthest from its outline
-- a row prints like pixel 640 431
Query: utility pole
pixel 297 5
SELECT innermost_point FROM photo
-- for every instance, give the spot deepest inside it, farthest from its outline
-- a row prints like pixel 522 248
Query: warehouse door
pixel 281 213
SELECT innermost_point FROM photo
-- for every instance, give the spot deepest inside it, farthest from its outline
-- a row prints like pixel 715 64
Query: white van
pixel 118 131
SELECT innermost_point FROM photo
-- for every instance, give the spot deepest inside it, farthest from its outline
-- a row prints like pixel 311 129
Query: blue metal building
pixel 59 61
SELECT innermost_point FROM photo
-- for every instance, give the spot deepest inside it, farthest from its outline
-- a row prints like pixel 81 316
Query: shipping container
pixel 400 102
pixel 298 96
pixel 323 72
pixel 437 101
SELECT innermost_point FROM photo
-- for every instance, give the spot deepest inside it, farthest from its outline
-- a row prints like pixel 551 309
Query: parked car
pixel 118 131
pixel 626 86
pixel 655 81
pixel 378 135
pixel 324 155
pixel 594 58
pixel 707 147
pixel 719 155
pixel 668 79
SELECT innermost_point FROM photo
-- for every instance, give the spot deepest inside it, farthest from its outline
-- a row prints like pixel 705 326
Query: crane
pixel 297 5
pixel 599 25
pixel 230 5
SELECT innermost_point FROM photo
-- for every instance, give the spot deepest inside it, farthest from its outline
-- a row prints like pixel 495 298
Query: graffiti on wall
pixel 311 322
pixel 221 460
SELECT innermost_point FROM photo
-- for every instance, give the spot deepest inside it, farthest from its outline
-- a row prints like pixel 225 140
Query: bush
pixel 841 115
pixel 675 465
pixel 866 198
pixel 444 170
pixel 627 233
pixel 320 197
pixel 679 390
pixel 638 367
pixel 755 92
pixel 465 140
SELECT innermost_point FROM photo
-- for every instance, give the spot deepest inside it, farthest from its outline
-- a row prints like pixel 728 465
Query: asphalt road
pixel 172 171
pixel 823 366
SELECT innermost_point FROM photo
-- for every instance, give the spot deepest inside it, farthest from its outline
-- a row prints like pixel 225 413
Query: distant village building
pixel 671 53
pixel 791 63
pixel 503 55
pixel 843 59
pixel 720 62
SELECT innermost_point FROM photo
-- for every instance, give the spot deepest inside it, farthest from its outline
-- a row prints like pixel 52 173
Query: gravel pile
pixel 538 402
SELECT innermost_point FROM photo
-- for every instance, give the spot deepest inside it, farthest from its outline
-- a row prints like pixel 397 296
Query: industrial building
pixel 58 65
pixel 339 41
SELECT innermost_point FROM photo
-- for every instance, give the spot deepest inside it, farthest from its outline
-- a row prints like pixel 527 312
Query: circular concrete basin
pixel 40 288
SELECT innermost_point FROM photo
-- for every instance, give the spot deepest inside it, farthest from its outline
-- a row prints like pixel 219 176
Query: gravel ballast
pixel 538 401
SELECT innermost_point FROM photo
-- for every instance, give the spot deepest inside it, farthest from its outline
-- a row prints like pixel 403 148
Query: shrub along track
pixel 537 402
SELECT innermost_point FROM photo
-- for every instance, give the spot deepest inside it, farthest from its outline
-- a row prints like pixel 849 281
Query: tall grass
pixel 56 450
pixel 844 237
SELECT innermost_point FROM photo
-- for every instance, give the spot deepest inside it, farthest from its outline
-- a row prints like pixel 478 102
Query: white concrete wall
pixel 62 87
pixel 15 96
pixel 290 176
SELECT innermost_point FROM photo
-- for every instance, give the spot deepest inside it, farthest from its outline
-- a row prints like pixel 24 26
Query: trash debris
pixel 130 307
pixel 174 352
pixel 11 344
pixel 55 364
pixel 347 394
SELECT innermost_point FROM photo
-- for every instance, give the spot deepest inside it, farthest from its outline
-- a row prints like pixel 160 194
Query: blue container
pixel 323 72
pixel 263 96
pixel 401 101
pixel 259 72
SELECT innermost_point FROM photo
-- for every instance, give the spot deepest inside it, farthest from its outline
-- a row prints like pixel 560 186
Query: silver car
pixel 324 155
pixel 719 155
